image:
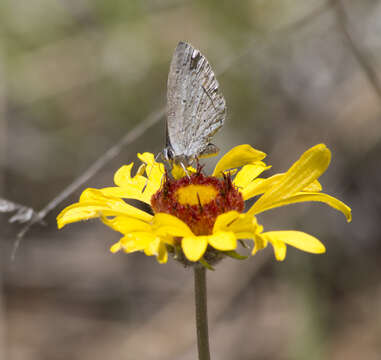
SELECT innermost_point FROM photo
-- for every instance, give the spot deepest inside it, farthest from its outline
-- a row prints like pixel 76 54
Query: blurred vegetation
pixel 75 76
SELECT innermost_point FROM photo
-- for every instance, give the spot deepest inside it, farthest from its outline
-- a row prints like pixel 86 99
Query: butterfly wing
pixel 195 107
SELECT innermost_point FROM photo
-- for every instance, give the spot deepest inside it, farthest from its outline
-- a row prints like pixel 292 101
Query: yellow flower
pixel 200 218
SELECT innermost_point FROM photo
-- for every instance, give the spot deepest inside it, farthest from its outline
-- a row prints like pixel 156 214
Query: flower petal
pixel 123 177
pixel 298 239
pixel 166 224
pixel 194 247
pixel 116 247
pixel 259 186
pixel 259 242
pixel 315 186
pixel 310 196
pixel 223 241
pixel 154 170
pixel 112 204
pixel 93 204
pixel 143 241
pixel 224 220
pixel 137 241
pixel 128 192
pixel 238 156
pixel 126 224
pixel 302 173
pixel 280 249
pixel 242 225
pixel 162 253
pixel 248 173
pixel 137 187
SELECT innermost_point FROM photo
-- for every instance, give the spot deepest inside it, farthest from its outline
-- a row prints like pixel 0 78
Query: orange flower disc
pixel 197 200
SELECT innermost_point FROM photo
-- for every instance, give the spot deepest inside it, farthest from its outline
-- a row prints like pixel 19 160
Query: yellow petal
pixel 113 206
pixel 280 249
pixel 154 170
pixel 315 186
pixel 259 186
pixel 141 169
pixel 224 220
pixel 248 173
pixel 310 196
pixel 128 192
pixel 77 212
pixel 162 254
pixel 238 156
pixel 147 158
pixel 125 224
pixel 194 247
pixel 94 204
pixel 137 241
pixel 245 227
pixel 116 247
pixel 223 241
pixel 152 247
pixel 88 210
pixel 298 239
pixel 143 241
pixel 122 177
pixel 302 173
pixel 259 243
pixel 157 248
pixel 166 224
pixel 137 187
pixel 242 225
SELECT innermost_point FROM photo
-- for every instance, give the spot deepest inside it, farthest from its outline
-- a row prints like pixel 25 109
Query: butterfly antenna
pixel 185 170
pixel 150 172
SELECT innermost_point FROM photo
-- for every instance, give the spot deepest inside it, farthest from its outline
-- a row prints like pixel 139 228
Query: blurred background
pixel 76 76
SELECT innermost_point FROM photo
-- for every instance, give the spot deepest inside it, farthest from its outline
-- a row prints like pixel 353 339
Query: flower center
pixel 196 194
pixel 197 200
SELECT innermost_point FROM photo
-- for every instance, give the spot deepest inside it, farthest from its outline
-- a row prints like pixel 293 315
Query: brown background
pixel 75 76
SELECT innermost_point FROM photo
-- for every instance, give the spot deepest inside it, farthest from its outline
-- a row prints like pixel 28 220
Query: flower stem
pixel 201 312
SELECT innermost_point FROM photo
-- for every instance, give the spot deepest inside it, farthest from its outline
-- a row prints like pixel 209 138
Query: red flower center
pixel 197 200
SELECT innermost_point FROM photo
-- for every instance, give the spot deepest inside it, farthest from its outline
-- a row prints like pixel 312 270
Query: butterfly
pixel 196 109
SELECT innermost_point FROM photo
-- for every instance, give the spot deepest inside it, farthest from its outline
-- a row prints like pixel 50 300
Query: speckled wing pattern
pixel 195 107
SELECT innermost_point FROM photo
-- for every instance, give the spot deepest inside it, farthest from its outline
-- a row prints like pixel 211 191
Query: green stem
pixel 201 312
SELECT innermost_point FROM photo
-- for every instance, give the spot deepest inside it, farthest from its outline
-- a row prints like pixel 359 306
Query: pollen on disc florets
pixel 198 200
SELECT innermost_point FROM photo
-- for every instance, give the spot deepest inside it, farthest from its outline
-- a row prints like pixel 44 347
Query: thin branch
pixel 365 64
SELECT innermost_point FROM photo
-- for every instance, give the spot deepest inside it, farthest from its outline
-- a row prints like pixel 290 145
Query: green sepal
pixel 235 255
pixel 203 262
pixel 177 252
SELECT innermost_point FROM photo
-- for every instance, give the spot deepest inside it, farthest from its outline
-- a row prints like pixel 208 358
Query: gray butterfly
pixel 195 107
